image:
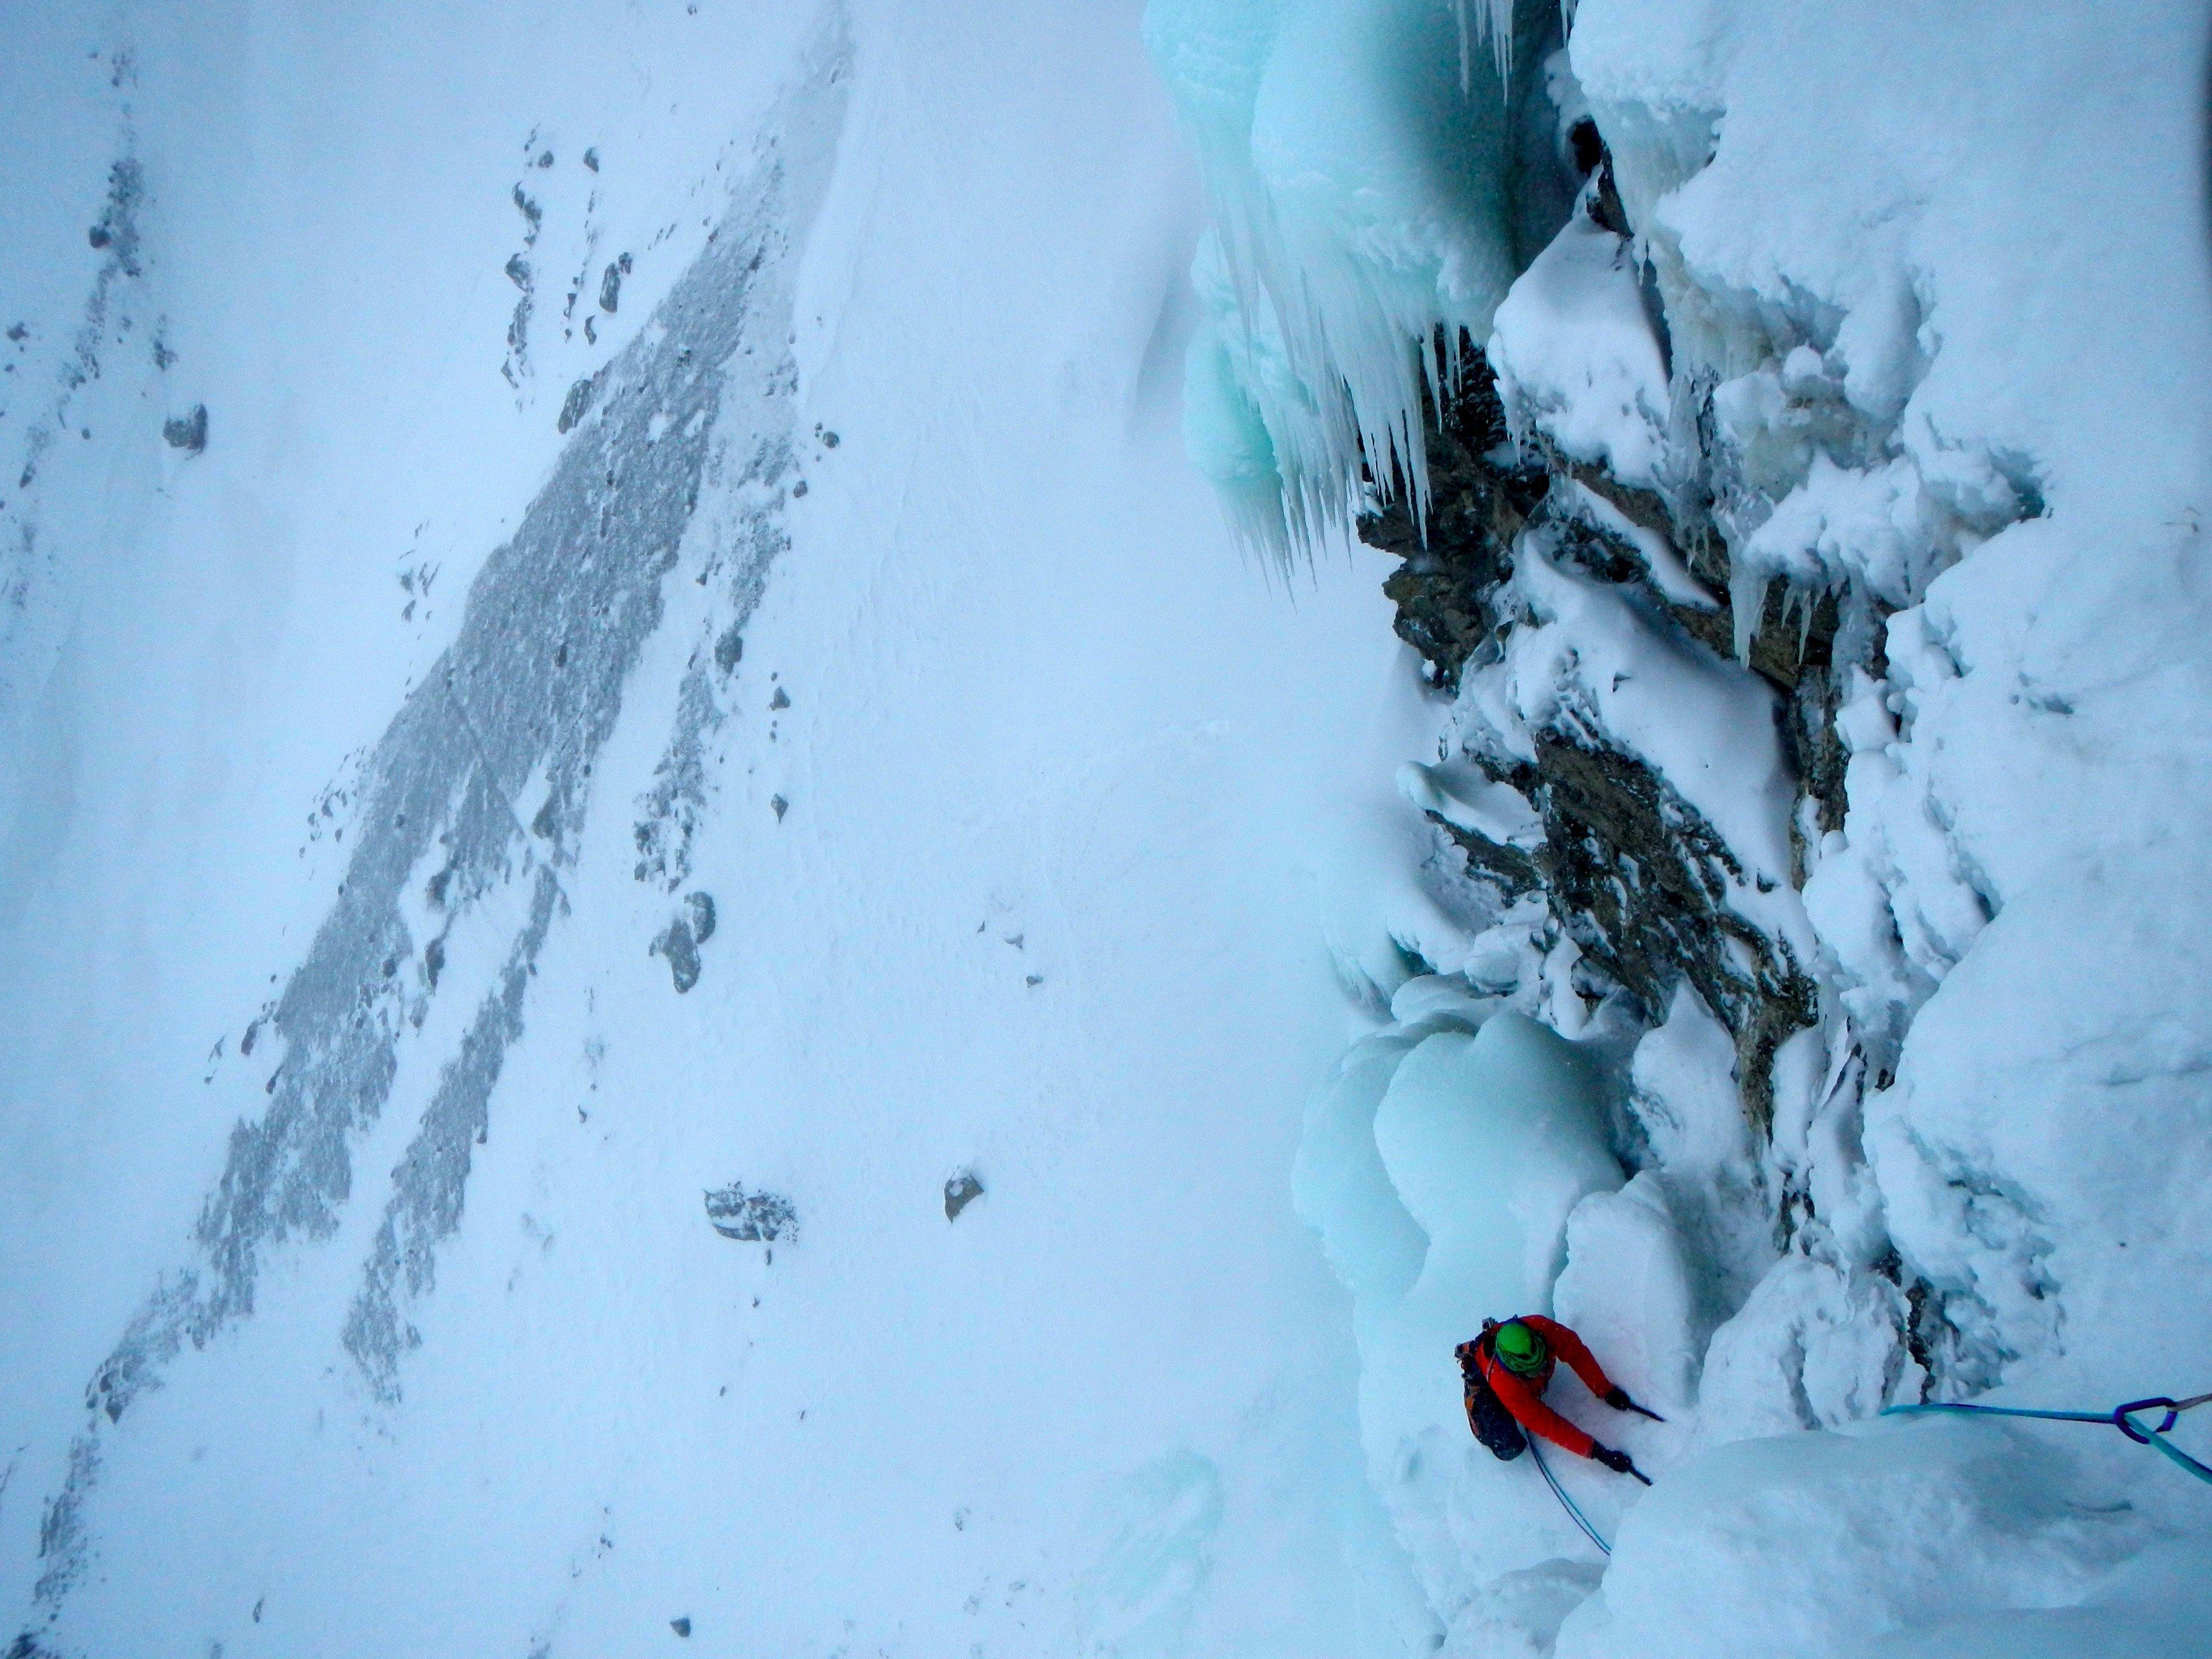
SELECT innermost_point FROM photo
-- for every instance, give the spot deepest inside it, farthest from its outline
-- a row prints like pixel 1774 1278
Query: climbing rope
pixel 1567 1503
pixel 2120 1416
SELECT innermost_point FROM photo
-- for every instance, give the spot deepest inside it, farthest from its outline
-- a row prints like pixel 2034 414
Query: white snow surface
pixel 1576 357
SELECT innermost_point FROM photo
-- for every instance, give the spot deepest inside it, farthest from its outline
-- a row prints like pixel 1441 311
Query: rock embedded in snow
pixel 729 648
pixel 751 1217
pixel 960 1191
pixel 188 431
pixel 577 404
pixel 678 943
pixel 611 284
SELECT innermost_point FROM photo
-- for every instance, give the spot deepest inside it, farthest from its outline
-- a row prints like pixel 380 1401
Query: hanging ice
pixel 1377 177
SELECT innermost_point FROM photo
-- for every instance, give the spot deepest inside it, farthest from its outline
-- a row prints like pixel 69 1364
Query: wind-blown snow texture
pixel 1817 587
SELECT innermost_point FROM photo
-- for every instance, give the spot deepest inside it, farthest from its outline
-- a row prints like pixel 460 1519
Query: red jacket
pixel 1524 1395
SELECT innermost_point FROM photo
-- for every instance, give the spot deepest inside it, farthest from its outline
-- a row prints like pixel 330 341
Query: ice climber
pixel 1506 1371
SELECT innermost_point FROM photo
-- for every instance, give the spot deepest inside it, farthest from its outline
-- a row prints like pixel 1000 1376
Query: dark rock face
pixel 1641 881
pixel 1480 497
pixel 1629 869
pixel 1509 869
pixel 1792 646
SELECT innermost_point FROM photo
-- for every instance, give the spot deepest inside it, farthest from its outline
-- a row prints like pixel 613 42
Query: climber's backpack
pixel 1486 1415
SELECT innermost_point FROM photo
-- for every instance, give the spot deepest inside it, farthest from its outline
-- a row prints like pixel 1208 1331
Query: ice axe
pixel 1619 1402
pixel 1619 1462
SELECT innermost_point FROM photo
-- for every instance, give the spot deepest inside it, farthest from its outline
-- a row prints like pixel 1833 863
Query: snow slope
pixel 374 773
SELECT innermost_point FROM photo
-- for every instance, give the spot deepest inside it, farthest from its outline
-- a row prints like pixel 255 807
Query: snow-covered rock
pixel 1850 650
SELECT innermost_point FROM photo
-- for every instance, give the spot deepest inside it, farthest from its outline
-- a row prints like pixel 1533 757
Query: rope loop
pixel 2120 1416
pixel 2122 1413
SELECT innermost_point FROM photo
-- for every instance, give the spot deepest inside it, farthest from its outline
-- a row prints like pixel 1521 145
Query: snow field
pixel 1009 808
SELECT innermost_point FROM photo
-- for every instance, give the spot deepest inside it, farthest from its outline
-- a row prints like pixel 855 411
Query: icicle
pixel 1748 601
pixel 1493 24
pixel 1333 342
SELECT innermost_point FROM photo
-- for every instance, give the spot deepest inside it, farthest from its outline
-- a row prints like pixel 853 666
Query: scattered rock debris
pixel 699 910
pixel 677 944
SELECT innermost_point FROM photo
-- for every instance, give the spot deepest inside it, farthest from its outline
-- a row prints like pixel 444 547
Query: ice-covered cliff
pixel 1804 555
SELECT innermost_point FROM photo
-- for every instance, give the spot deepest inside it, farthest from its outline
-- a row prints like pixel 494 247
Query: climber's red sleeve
pixel 1573 1349
pixel 1529 1410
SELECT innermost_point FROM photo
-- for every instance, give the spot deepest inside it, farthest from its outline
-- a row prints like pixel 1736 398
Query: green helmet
pixel 1519 1349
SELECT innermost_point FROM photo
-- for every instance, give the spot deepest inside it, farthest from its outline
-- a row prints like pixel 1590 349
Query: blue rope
pixel 1560 1493
pixel 2120 1416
